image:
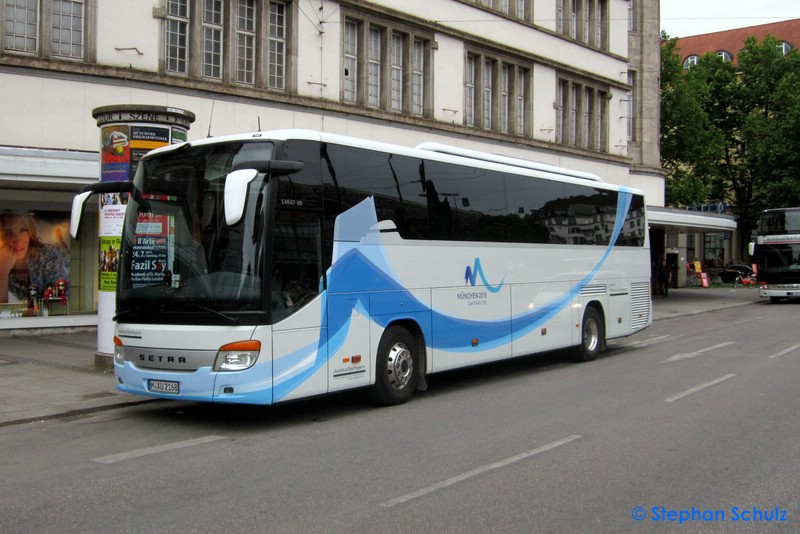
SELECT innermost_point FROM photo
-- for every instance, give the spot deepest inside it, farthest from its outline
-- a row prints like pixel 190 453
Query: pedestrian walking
pixel 664 279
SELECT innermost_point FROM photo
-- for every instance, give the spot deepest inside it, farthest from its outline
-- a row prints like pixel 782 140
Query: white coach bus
pixel 278 265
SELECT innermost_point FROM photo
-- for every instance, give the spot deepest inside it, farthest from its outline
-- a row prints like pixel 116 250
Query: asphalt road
pixel 691 425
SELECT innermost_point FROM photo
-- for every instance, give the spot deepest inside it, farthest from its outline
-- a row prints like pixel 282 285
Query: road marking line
pixel 698 388
pixel 153 450
pixel 475 472
pixel 696 353
pixel 644 342
pixel 787 351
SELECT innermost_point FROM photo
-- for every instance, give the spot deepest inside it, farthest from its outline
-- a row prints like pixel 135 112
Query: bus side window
pixel 296 260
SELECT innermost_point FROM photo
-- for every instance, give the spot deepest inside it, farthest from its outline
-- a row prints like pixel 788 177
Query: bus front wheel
pixel 592 336
pixel 395 367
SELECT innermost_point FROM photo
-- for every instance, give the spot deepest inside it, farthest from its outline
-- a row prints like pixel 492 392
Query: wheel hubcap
pixel 400 366
pixel 591 336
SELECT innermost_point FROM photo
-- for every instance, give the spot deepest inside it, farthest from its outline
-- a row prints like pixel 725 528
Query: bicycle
pixel 746 281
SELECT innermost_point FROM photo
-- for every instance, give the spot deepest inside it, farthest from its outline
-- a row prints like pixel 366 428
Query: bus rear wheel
pixel 395 367
pixel 592 336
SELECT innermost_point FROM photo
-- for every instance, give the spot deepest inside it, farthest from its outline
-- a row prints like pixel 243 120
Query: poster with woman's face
pixel 34 253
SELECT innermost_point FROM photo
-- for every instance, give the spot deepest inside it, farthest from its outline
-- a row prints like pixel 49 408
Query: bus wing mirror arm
pixel 238 181
pixel 87 192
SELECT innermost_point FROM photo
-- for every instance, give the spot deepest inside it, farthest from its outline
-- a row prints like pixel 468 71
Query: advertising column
pixel 127 132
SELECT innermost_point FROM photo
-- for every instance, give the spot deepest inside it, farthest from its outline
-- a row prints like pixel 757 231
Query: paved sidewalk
pixel 48 376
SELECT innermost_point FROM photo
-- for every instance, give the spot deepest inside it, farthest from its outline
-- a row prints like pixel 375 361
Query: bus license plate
pixel 164 386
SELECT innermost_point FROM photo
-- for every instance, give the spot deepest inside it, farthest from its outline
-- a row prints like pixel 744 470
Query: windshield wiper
pixel 232 319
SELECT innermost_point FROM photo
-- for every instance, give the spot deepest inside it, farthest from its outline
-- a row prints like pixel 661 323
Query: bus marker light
pixel 475 342
pixel 357 358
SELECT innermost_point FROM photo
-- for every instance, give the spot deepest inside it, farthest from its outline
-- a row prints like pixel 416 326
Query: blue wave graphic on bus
pixel 473 272
pixel 357 276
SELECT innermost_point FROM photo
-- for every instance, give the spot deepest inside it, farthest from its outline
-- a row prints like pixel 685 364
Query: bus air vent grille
pixel 640 305
pixel 593 290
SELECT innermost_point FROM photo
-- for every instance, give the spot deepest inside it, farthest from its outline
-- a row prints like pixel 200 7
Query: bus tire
pixel 775 300
pixel 395 367
pixel 592 336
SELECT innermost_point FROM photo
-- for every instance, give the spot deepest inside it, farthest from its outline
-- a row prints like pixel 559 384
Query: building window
pixel 418 79
pixel 177 36
pixel 212 39
pixel 396 100
pixel 632 22
pixel 587 126
pixel 238 41
pixel 374 67
pixel 574 109
pixel 245 41
pixel 350 60
pixel 68 29
pixel 380 55
pixel 517 9
pixel 690 61
pixel 21 28
pixel 46 28
pixel 581 115
pixel 726 56
pixel 277 46
pixel 521 106
pixel 504 100
pixel 469 91
pixel 784 47
pixel 487 75
pixel 585 21
pixel 505 94
pixel 631 119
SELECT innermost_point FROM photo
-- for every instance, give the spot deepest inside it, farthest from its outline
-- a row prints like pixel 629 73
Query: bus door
pixel 299 352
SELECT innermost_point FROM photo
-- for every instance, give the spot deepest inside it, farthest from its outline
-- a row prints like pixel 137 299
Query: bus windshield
pixel 778 222
pixel 180 261
pixel 778 258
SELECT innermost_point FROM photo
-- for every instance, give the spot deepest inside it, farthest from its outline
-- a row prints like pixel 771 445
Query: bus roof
pixel 428 150
pixel 774 210
pixel 506 160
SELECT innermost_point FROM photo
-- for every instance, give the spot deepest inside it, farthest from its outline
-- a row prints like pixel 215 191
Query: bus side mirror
pixel 77 211
pixel 92 189
pixel 236 188
pixel 751 248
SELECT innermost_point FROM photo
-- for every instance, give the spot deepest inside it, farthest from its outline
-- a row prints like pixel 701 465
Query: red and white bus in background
pixel 777 252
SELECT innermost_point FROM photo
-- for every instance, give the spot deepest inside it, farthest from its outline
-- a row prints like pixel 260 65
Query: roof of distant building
pixel 732 41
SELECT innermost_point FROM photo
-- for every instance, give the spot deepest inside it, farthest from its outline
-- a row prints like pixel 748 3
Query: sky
pixel 682 18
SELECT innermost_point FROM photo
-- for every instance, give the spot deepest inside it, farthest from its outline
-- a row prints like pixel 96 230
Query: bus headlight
pixel 119 351
pixel 237 356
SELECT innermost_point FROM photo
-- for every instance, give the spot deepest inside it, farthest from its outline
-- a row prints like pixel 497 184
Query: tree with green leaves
pixel 730 131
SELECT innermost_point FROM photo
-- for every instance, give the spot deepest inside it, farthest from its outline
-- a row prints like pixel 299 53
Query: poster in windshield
pixel 152 252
